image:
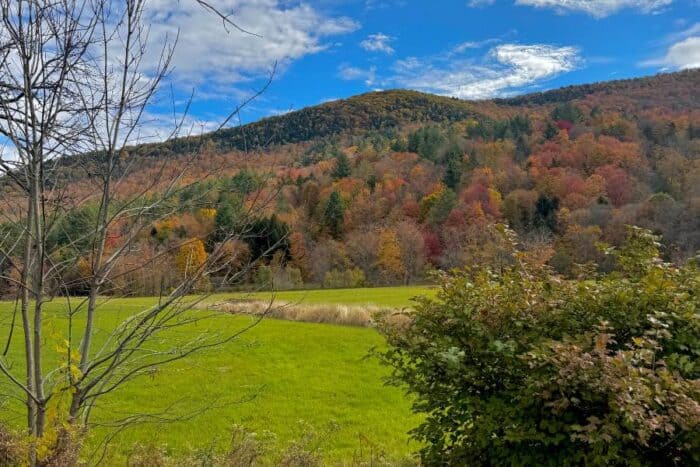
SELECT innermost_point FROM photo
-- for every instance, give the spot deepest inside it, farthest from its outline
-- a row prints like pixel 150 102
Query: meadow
pixel 281 377
pixel 398 297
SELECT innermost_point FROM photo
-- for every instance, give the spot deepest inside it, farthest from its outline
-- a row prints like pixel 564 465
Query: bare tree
pixel 41 43
pixel 75 88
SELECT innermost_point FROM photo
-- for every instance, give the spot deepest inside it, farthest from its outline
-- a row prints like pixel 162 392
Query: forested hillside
pixel 381 111
pixel 384 187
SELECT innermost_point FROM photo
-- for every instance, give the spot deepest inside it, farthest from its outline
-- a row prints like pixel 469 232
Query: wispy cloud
pixel 597 8
pixel 378 43
pixel 382 4
pixel 351 73
pixel 505 69
pixel 278 112
pixel 480 3
pixel 464 46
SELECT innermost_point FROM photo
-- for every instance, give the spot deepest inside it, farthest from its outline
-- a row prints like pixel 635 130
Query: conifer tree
pixel 334 215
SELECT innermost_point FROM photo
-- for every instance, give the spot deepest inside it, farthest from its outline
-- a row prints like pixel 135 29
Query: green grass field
pixel 381 296
pixel 276 377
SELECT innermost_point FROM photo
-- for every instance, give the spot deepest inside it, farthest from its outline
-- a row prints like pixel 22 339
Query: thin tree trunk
pixel 38 292
pixel 26 324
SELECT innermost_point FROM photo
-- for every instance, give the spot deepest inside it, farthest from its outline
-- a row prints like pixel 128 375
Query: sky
pixel 323 50
pixel 470 49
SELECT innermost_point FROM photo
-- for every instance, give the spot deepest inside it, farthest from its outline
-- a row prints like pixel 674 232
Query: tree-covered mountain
pixel 383 187
pixel 380 111
pixel 387 111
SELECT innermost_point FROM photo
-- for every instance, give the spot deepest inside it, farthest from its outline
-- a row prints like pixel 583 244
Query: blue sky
pixel 471 49
pixel 329 49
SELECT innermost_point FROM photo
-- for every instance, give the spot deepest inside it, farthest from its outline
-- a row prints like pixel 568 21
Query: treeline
pixel 650 89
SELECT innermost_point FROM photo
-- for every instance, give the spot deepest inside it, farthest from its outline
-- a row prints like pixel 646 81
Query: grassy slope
pixel 290 372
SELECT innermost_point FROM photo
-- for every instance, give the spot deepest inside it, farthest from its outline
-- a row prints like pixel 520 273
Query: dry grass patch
pixel 12 451
pixel 347 315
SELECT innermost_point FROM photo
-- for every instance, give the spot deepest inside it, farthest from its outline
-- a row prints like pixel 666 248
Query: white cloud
pixel 351 73
pixel 683 50
pixel 459 48
pixel 382 4
pixel 506 68
pixel 480 3
pixel 278 112
pixel 206 52
pixel 681 55
pixel 378 43
pixel 597 8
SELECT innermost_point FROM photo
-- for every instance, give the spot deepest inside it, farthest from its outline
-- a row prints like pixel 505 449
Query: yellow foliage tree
pixel 190 257
pixel 389 256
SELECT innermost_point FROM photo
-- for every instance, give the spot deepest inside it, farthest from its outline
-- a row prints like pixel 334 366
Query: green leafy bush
pixel 520 367
pixel 349 278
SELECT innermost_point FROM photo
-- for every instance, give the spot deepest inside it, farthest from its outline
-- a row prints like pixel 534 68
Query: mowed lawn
pixel 280 377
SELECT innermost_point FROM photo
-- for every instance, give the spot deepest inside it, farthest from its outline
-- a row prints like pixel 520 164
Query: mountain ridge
pixel 389 109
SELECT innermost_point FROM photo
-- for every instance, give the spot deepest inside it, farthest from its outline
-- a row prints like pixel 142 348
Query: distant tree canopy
pixel 514 127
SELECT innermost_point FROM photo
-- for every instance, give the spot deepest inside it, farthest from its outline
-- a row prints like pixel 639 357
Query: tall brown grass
pixel 347 315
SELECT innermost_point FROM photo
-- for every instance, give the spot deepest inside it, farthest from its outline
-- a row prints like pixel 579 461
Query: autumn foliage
pixel 567 170
pixel 514 366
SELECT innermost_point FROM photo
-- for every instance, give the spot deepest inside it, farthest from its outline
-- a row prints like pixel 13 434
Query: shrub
pixel 246 449
pixel 350 278
pixel 519 367
pixel 12 451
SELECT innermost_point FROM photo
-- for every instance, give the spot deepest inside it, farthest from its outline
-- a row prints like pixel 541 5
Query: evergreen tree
pixel 453 169
pixel 225 219
pixel 441 208
pixel 546 213
pixel 334 215
pixel 372 182
pixel 267 236
pixel 567 112
pixel 427 142
pixel 342 166
pixel 522 149
pixel 399 145
pixel 550 131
